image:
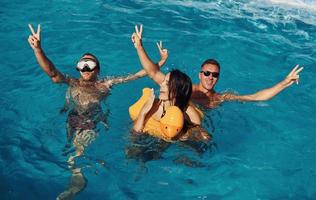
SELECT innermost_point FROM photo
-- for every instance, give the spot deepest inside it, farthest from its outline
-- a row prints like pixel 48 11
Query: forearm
pixel 149 66
pixel 161 63
pixel 139 123
pixel 47 66
pixel 123 79
pixel 143 73
pixel 268 93
pixel 261 95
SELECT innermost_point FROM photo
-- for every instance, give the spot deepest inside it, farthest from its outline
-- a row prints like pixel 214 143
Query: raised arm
pixel 48 67
pixel 122 79
pixel 268 93
pixel 149 66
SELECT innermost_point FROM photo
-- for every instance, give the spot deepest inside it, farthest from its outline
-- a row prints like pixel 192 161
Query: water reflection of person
pixel 85 93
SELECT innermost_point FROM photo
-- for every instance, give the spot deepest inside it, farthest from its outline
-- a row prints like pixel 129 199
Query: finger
pixel 159 48
pixel 293 70
pixel 31 28
pixel 136 29
pixel 30 41
pixel 38 32
pixel 31 38
pixel 34 39
pixel 299 70
pixel 141 30
pixel 132 37
pixel 160 44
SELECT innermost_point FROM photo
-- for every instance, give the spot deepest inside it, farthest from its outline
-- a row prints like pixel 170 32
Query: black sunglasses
pixel 207 73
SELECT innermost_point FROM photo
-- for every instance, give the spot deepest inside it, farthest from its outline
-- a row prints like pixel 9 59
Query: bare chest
pixel 85 94
pixel 207 100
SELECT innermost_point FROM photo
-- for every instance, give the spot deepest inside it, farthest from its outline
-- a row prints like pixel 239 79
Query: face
pixel 208 82
pixel 164 88
pixel 88 76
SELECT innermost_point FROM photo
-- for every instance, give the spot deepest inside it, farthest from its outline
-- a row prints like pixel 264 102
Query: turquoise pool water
pixel 264 150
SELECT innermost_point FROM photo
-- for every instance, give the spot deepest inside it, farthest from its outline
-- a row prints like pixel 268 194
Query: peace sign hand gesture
pixel 293 76
pixel 163 52
pixel 137 36
pixel 35 38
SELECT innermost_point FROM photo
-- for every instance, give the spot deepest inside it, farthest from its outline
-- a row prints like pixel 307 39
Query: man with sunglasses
pixel 205 95
pixel 86 93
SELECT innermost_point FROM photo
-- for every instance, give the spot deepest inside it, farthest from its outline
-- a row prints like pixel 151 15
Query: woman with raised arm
pixel 169 117
pixel 84 94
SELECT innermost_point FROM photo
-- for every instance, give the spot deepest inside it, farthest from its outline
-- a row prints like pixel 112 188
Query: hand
pixel 293 76
pixel 205 136
pixel 163 52
pixel 149 104
pixel 137 36
pixel 200 134
pixel 35 38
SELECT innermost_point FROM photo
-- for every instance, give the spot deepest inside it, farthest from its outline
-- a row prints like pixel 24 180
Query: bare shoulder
pixel 104 84
pixel 191 108
pixel 195 87
pixel 71 80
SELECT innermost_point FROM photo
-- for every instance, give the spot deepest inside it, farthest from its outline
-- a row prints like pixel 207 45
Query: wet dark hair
pixel 94 58
pixel 180 88
pixel 211 61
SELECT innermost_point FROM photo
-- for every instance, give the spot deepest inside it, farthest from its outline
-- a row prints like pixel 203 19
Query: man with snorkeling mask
pixel 85 94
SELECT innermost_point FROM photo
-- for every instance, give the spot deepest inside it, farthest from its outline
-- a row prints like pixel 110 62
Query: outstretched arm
pixel 149 66
pixel 268 93
pixel 122 79
pixel 48 67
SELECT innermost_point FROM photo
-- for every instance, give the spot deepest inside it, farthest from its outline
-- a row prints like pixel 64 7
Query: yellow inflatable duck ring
pixel 167 128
